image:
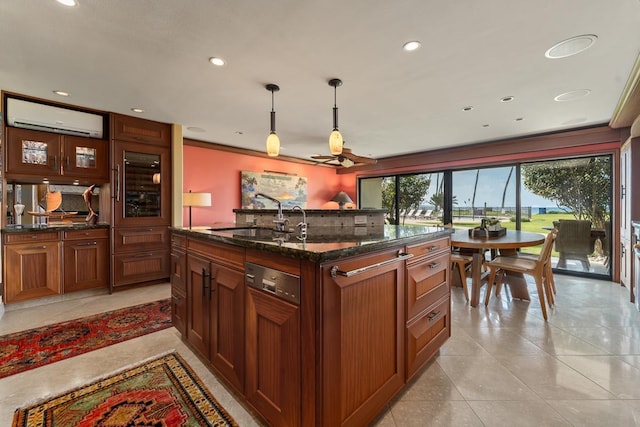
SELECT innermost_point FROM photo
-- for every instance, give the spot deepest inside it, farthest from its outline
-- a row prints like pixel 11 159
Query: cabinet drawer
pixel 178 241
pixel 232 256
pixel 426 334
pixel 427 282
pixel 428 248
pixel 93 233
pixel 140 267
pixel 45 236
pixel 135 239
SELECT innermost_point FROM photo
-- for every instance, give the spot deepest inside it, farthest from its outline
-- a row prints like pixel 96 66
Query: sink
pixel 253 232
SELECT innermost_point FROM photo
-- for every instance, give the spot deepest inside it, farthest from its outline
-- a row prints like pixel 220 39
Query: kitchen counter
pixel 34 228
pixel 322 243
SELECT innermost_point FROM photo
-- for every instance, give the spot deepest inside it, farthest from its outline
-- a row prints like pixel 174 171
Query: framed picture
pixel 290 190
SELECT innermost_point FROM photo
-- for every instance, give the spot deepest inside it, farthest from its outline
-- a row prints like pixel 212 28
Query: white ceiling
pixel 113 55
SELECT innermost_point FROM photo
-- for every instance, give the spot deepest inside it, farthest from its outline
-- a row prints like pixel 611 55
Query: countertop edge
pixel 309 255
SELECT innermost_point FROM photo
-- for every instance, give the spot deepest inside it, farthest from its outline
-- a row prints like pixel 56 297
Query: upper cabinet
pixel 33 155
pixel 127 128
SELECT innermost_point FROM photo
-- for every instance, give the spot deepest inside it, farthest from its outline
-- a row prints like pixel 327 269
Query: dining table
pixel 506 245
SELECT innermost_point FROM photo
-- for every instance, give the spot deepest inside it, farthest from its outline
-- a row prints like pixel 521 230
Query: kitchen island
pixel 317 329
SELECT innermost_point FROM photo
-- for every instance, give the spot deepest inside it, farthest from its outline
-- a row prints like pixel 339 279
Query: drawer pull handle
pixel 433 248
pixel 33 248
pixel 143 255
pixel 433 316
pixel 434 265
pixel 335 270
pixel 88 244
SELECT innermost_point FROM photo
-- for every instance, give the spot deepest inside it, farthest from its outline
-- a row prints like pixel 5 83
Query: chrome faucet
pixel 280 221
pixel 302 225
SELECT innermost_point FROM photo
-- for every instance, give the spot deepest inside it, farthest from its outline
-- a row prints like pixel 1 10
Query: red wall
pixel 218 173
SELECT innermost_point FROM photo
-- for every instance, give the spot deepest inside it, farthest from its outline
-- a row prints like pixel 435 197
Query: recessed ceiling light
pixel 137 110
pixel 61 93
pixel 571 46
pixel 411 46
pixel 507 99
pixel 195 129
pixel 69 3
pixel 219 62
pixel 571 95
pixel 467 108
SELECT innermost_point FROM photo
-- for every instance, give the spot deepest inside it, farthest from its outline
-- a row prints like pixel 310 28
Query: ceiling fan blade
pixel 323 157
pixel 359 159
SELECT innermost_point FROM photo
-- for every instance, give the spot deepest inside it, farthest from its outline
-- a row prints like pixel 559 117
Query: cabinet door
pixel 85 158
pixel 134 129
pixel 273 358
pixel 178 272
pixel 363 324
pixel 85 264
pixel 141 185
pixel 198 303
pixel 32 152
pixel 227 323
pixel 179 311
pixel 34 269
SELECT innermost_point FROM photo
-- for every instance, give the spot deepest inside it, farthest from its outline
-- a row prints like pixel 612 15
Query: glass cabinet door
pixel 142 195
pixel 32 152
pixel 142 187
pixel 86 158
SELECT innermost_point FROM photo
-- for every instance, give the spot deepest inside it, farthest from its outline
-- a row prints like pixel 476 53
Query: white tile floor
pixel 503 365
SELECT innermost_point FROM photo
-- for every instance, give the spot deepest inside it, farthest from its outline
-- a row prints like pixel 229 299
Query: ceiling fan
pixel 346 158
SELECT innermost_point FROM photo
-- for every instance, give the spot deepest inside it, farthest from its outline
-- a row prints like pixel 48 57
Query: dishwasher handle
pixel 335 270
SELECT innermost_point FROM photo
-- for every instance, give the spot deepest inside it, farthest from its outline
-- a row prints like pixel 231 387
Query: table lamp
pixel 195 199
pixel 341 198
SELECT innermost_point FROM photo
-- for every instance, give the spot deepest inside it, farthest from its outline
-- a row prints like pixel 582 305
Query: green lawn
pixel 535 225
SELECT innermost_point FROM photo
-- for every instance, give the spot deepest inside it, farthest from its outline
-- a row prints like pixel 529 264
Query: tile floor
pixel 503 365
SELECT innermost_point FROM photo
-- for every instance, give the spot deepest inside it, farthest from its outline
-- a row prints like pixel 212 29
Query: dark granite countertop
pixel 322 243
pixel 31 228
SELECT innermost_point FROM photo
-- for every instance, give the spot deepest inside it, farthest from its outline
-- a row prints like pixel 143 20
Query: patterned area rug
pixel 26 350
pixel 161 392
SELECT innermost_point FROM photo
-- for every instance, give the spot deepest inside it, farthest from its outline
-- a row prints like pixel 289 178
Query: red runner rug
pixel 36 347
pixel 161 392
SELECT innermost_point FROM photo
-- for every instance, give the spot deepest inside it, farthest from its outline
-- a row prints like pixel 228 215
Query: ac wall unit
pixel 32 115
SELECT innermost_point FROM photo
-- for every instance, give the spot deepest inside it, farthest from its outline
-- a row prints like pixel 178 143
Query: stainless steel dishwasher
pixel 275 282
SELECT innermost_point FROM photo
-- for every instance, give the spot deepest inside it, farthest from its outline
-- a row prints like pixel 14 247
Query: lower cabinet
pixel 428 300
pixel 362 337
pixel 86 259
pixel 32 266
pixel 273 358
pixel 139 254
pixel 178 271
pixel 215 315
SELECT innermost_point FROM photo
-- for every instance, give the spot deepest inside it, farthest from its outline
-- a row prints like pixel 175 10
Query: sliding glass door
pixel 571 195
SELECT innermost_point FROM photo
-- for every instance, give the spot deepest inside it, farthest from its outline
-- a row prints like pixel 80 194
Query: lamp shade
pixel 273 145
pixel 335 142
pixel 341 198
pixel 196 199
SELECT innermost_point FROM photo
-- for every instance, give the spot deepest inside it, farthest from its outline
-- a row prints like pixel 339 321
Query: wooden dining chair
pixel 535 267
pixel 462 262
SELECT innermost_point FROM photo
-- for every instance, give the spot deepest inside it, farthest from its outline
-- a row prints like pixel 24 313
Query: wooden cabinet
pixel 31 266
pixel 178 276
pixel 428 302
pixel 363 322
pixel 215 307
pixel 134 129
pixel 44 263
pixel 629 210
pixel 273 358
pixel 33 155
pixel 86 259
pixel 141 200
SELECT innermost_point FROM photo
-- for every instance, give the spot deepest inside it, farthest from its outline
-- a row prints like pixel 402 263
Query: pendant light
pixel 273 142
pixel 335 138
